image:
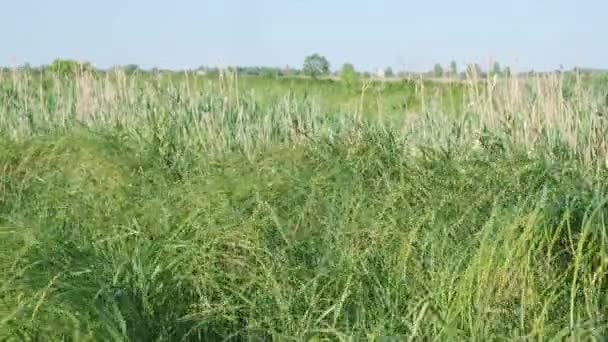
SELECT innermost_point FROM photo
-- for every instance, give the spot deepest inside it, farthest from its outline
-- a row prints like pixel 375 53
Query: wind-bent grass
pixel 134 212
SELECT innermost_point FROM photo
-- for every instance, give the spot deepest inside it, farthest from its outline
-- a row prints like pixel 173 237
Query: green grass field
pixel 192 209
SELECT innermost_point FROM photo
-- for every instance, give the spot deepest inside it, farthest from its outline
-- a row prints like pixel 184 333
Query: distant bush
pixel 267 72
pixel 388 72
pixel 349 76
pixel 130 69
pixel 69 68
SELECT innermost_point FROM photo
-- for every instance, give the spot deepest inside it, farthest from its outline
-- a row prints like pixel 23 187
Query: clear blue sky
pixel 412 35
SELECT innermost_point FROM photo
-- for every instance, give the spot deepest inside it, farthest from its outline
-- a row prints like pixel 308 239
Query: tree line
pixel 314 66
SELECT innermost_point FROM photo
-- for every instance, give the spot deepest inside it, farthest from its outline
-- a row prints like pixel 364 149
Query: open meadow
pixel 191 208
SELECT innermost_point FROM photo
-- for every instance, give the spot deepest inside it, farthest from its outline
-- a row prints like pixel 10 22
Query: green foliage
pixel 315 66
pixel 264 246
pixel 438 70
pixel 388 72
pixel 453 68
pixel 265 72
pixel 69 68
pixel 177 208
pixel 349 76
pixel 130 69
pixel 270 72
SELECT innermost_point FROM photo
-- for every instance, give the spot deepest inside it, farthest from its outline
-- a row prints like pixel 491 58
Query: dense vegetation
pixel 169 208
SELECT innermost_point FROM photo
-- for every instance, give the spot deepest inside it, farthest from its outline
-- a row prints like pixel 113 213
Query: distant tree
pixel 453 68
pixel 507 72
pixel 438 70
pixel 388 72
pixel 496 70
pixel 349 76
pixel 315 66
pixel 131 68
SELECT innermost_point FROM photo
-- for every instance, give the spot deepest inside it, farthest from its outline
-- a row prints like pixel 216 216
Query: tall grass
pixel 140 209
